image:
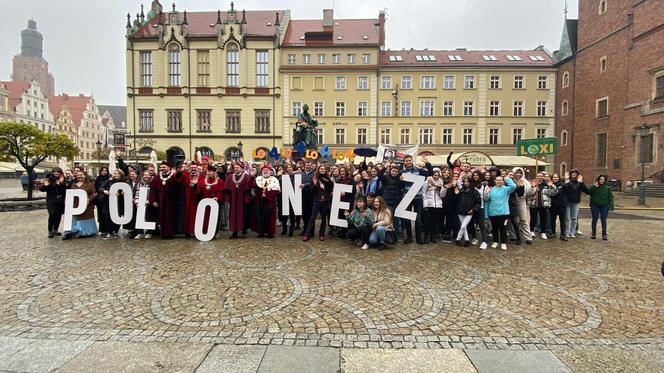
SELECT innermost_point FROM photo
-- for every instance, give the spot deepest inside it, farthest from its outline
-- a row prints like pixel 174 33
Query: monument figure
pixel 305 129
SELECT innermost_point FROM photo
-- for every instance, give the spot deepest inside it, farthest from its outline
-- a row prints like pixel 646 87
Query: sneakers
pixel 563 238
pixel 578 233
pixel 544 236
pixel 139 236
pixel 466 244
pixel 106 237
pixel 364 247
pixel 51 234
pixel 494 245
pixel 474 242
pixel 572 235
pixel 148 236
pixel 604 237
pixel 483 246
pixel 503 246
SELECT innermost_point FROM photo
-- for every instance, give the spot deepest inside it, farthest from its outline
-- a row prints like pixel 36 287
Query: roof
pixel 568 40
pixel 429 58
pixel 16 90
pixel 198 23
pixel 344 32
pixel 75 104
pixel 118 113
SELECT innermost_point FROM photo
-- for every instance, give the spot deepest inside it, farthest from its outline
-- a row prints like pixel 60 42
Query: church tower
pixel 30 64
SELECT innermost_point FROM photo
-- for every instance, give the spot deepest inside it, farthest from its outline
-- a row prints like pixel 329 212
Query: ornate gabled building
pixel 89 132
pixel 6 114
pixel 114 119
pixel 29 104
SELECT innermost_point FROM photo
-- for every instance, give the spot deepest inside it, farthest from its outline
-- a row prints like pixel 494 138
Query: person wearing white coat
pixel 521 201
pixel 433 206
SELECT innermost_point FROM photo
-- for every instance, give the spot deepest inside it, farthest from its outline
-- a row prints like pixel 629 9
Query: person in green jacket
pixel 360 222
pixel 601 201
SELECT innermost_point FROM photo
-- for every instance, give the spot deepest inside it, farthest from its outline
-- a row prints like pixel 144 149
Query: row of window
pixel 204 120
pixel 427 108
pixel 601 108
pixel 321 59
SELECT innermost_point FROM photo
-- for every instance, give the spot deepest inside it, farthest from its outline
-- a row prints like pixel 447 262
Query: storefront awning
pixel 515 161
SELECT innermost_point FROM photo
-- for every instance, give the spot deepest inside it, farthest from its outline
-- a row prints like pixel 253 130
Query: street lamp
pixel 395 94
pixel 643 134
pixel 98 157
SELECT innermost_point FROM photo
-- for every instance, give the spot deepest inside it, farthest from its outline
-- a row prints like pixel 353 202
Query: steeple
pixel 184 21
pixel 276 22
pixel 31 41
pixel 218 17
pixel 142 14
pixel 244 17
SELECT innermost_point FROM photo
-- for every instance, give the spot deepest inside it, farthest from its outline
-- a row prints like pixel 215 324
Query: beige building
pixel 6 114
pixel 29 104
pixel 89 132
pixel 64 123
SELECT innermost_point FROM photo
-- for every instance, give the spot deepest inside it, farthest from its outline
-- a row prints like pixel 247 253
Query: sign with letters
pixel 537 147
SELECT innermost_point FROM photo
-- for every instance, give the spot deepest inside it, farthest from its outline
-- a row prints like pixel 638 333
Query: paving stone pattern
pixel 550 295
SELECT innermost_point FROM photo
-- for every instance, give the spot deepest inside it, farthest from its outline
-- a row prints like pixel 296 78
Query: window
pixel 494 82
pixel 262 121
pixel 306 59
pixel 447 136
pixel 386 82
pixel 362 82
pixel 297 108
pixel 426 108
pixel 518 81
pixel 233 124
pixel 203 120
pixel 565 79
pixel 321 58
pixel 602 7
pixel 262 68
pixel 659 87
pixel 174 120
pixel 427 82
pixel 406 82
pixel 602 107
pixel 174 65
pixel 405 109
pixel 203 68
pixel 564 108
pixel 602 64
pixel 361 135
pixel 494 136
pixel 467 136
pixel 426 136
pixel 362 109
pixel 601 150
pixel 319 83
pixel 469 82
pixel 297 83
pixel 494 108
pixel 385 136
pixel 517 134
pixel 351 58
pixel 291 59
pixel 541 133
pixel 340 109
pixel 233 66
pixel 541 108
pixel 320 135
pixel 448 82
pixel 146 68
pixel 340 135
pixel 145 121
pixel 563 138
pixel 318 109
pixel 517 108
pixel 468 107
pixel 448 108
pixel 366 59
pixel 386 108
pixel 340 83
pixel 336 59
pixel 646 149
pixel 405 136
pixel 542 82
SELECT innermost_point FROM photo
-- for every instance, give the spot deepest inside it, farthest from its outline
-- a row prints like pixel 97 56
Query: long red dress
pixel 215 190
pixel 166 193
pixel 266 191
pixel 237 195
pixel 191 197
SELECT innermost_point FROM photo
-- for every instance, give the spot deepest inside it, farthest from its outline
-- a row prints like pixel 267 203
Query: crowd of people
pixel 458 203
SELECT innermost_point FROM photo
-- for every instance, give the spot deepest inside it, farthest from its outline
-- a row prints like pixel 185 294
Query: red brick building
pixel 610 82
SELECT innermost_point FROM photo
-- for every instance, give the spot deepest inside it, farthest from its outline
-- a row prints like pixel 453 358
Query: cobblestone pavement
pixel 551 295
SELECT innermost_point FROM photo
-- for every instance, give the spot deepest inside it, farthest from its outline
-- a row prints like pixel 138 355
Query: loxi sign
pixel 537 147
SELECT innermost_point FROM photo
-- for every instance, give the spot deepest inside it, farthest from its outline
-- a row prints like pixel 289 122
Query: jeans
pixel 558 213
pixel 362 232
pixel 571 217
pixel 322 208
pixel 396 224
pixel 415 206
pixel 498 229
pixel 432 216
pixel 479 219
pixel 451 221
pixel 543 214
pixel 601 212
pixel 463 231
pixel 377 237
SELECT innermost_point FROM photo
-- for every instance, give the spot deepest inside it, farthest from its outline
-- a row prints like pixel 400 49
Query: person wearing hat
pixel 192 177
pixel 266 189
pixel 209 186
pixel 237 189
pixel 166 190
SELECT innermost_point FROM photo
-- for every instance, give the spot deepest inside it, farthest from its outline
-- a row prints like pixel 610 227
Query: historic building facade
pixel 6 114
pixel 30 104
pixel 610 83
pixel 89 131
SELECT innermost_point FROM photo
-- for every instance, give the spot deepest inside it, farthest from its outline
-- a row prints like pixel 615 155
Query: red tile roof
pixel 75 104
pixel 469 58
pixel 345 32
pixel 16 90
pixel 198 23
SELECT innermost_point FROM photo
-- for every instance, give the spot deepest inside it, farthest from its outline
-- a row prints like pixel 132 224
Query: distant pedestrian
pixel 601 201
pixel 24 181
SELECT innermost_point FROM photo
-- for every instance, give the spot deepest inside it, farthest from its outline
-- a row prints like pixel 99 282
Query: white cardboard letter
pixel 291 195
pixel 200 216
pixel 337 204
pixel 127 195
pixel 74 194
pixel 140 210
pixel 418 182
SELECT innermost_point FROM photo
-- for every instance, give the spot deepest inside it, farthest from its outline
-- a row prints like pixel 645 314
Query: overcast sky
pixel 84 40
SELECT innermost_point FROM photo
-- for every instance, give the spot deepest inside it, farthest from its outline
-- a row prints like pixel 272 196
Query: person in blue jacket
pixel 498 209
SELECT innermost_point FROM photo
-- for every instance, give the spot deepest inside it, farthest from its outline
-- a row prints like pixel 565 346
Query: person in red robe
pixel 210 186
pixel 191 197
pixel 266 189
pixel 238 193
pixel 165 192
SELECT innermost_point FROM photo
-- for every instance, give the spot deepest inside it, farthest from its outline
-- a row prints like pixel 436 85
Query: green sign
pixel 537 147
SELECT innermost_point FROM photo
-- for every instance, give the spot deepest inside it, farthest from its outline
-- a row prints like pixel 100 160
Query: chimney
pixel 328 19
pixel 381 28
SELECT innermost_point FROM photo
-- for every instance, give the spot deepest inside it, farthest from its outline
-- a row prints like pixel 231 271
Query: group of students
pixel 456 203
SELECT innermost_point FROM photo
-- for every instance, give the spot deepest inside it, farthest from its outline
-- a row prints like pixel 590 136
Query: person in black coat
pixel 559 206
pixel 104 193
pixel 101 179
pixel 55 187
pixel 573 190
pixel 468 203
pixel 390 178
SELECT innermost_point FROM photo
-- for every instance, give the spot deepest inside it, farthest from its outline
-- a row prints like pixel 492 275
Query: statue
pixel 305 129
